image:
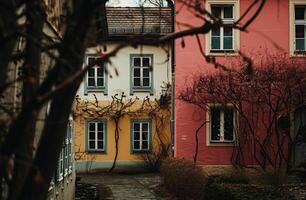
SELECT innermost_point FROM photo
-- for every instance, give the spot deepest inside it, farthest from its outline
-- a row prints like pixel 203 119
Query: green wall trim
pixel 132 151
pixel 88 165
pixel 103 89
pixel 147 89
pixel 105 135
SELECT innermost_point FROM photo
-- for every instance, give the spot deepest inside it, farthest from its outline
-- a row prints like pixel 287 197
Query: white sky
pixel 127 3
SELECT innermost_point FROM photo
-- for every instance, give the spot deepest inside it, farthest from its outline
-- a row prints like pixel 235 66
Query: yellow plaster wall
pixel 125 153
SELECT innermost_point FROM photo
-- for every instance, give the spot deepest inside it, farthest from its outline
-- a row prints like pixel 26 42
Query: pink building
pixel 279 28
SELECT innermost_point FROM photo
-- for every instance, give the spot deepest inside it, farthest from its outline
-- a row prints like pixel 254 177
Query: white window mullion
pixel 96 135
pixel 221 37
pixel 140 135
pixel 96 76
pixel 221 125
pixel 141 72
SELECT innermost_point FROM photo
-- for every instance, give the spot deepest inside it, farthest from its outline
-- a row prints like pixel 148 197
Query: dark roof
pixel 137 21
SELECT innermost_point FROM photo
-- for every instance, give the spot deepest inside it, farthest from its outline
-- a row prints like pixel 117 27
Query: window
pixel 142 73
pixel 300 28
pixel 64 166
pixel 95 80
pixel 141 135
pixel 223 40
pixel 96 135
pixel 60 167
pixel 69 138
pixel 222 37
pixel 222 124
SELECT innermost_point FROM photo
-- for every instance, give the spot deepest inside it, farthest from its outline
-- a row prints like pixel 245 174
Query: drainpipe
pixel 171 5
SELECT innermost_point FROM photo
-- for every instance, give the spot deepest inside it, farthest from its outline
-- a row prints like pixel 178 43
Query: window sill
pixel 223 53
pixel 299 54
pixel 139 90
pixel 140 151
pixel 60 178
pixel 219 143
pixel 96 151
pixel 51 187
pixel 100 90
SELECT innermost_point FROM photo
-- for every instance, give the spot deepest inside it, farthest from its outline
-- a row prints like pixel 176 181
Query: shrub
pixel 232 178
pixel 246 192
pixel 183 179
pixel 214 191
pixel 154 158
pixel 302 164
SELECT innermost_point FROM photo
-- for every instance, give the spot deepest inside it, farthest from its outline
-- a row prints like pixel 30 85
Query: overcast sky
pixel 127 3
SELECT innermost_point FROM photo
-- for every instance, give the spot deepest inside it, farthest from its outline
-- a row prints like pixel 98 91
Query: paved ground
pixel 121 187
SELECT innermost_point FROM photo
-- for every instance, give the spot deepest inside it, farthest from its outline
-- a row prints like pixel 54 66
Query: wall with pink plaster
pixel 268 33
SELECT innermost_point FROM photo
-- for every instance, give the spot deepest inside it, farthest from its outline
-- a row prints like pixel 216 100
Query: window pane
pixel 216 11
pixel 215 42
pixel 215 31
pixel 136 81
pixel 136 127
pixel 146 72
pixel 100 81
pixel 136 135
pixel 136 62
pixel 145 127
pixel 91 135
pixel 215 124
pixel 300 44
pixel 91 72
pixel 91 144
pixel 228 31
pixel 100 71
pixel 100 145
pixel 300 12
pixel 92 127
pixel 100 126
pixel 228 43
pixel 91 61
pixel 136 72
pixel 145 135
pixel 228 12
pixel 228 124
pixel 145 145
pixel 100 135
pixel 146 81
pixel 146 62
pixel 91 81
pixel 300 31
pixel 136 145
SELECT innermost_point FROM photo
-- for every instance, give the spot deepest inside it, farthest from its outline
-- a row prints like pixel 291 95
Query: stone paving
pixel 123 187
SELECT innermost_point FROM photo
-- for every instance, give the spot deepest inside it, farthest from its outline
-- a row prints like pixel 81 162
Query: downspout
pixel 171 5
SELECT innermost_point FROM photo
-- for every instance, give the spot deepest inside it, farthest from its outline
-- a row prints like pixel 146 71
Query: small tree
pixel 264 99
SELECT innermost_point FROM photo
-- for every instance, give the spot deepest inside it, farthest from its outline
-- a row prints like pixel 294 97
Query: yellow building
pixel 123 107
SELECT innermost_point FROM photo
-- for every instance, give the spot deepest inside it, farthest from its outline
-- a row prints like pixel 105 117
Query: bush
pixel 183 179
pixel 246 192
pixel 238 178
pixel 214 191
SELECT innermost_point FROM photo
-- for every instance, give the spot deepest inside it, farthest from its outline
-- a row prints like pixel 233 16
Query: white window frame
pixel 70 146
pixel 60 167
pixel 141 149
pixel 95 67
pixel 141 67
pixel 236 33
pixel 292 5
pixel 225 21
pixel 65 157
pixel 221 142
pixel 96 136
